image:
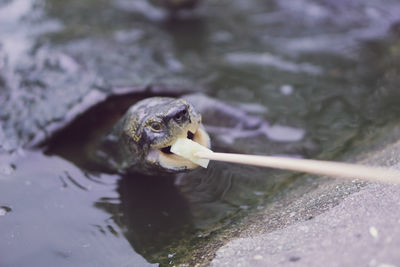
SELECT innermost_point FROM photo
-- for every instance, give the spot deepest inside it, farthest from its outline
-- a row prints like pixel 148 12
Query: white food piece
pixel 187 149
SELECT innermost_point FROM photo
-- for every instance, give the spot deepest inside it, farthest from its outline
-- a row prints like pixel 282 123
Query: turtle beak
pixel 173 162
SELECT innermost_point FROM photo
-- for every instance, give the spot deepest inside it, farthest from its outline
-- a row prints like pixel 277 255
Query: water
pixel 322 74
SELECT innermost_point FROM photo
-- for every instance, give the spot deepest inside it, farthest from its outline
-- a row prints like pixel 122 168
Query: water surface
pixel 322 74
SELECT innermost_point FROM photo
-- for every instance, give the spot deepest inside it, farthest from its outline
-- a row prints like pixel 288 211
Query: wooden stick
pixel 330 168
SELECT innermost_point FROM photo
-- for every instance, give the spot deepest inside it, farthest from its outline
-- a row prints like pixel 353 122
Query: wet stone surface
pixel 321 76
pixel 340 224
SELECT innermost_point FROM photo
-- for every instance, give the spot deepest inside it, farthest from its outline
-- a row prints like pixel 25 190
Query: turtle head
pixel 154 124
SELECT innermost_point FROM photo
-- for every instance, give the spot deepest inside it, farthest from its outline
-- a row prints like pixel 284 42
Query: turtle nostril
pixel 190 135
pixel 181 116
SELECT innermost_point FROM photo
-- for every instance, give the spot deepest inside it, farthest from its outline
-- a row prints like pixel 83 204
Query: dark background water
pixel 322 73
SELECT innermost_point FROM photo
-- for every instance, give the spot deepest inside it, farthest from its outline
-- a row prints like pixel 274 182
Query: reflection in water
pixel 152 214
pixel 53 222
pixel 224 192
pixel 269 60
pixel 164 216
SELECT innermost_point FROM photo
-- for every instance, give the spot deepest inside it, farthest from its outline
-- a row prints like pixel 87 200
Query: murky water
pixel 320 73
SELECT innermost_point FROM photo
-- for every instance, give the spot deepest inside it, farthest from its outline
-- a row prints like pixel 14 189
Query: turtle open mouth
pixel 167 150
pixel 173 162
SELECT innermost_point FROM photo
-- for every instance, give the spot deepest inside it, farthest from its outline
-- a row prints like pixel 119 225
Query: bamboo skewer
pixel 329 168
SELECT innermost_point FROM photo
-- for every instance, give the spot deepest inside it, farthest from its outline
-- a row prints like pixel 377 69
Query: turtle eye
pixel 155 126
